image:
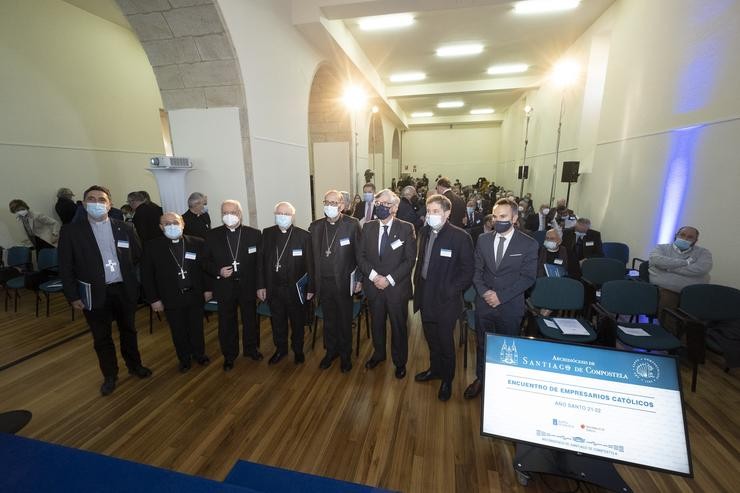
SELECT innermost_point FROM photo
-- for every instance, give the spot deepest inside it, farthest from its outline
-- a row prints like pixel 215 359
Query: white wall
pixel 331 170
pixel 463 152
pixel 666 147
pixel 80 105
pixel 277 67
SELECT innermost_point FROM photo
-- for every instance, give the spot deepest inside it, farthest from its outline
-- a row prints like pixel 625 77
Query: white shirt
pixel 507 240
pixel 374 274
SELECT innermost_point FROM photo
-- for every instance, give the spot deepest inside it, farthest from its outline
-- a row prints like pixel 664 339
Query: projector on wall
pixel 170 162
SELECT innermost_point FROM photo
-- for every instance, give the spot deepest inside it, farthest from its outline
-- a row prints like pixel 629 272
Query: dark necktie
pixel 500 250
pixel 384 242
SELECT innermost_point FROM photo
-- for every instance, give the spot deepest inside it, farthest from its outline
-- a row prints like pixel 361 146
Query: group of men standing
pixel 286 266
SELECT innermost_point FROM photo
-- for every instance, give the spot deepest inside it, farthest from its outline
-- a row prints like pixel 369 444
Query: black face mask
pixel 382 212
pixel 501 226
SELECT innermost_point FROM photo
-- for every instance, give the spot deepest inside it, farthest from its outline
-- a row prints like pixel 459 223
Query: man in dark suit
pixel 582 242
pixel 286 258
pixel 386 257
pixel 444 270
pixel 231 256
pixel 146 216
pixel 553 252
pixel 103 253
pixel 172 276
pixel 334 241
pixel 364 210
pixel 473 217
pixel 540 221
pixel 197 220
pixel 65 206
pixel 505 267
pixel 457 214
pixel 409 208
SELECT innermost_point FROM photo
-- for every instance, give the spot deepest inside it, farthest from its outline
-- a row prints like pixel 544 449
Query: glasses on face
pixel 384 204
pixel 331 203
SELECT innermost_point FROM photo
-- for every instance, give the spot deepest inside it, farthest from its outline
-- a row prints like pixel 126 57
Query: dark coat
pixel 216 255
pixel 398 260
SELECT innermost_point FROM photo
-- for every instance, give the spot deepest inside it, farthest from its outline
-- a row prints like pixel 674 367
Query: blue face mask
pixel 382 212
pixel 96 209
pixel 682 244
pixel 501 226
pixel 172 231
pixel 368 196
pixel 283 221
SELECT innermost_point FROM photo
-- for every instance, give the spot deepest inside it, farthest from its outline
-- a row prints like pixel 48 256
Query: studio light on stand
pixel 564 75
pixel 354 99
pixel 523 169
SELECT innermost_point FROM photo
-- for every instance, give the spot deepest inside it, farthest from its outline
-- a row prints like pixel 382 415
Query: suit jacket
pixel 359 212
pixel 216 255
pixel 397 261
pixel 458 211
pixel 196 225
pixel 80 259
pixel 407 212
pixel 297 259
pixel 475 221
pixel 440 295
pixel 592 246
pixel 515 274
pixel 65 209
pixel 345 256
pixel 562 255
pixel 160 274
pixel 146 221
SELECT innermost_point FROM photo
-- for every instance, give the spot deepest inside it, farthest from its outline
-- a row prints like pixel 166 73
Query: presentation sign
pixel 618 405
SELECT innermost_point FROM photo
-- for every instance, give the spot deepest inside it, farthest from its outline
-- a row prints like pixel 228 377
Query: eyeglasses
pixel 335 204
pixel 384 204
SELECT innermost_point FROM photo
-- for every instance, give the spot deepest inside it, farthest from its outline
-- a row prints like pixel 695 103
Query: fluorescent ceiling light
pixel 460 50
pixel 451 104
pixel 482 111
pixel 380 22
pixel 421 114
pixel 512 68
pixel 544 6
pixel 408 76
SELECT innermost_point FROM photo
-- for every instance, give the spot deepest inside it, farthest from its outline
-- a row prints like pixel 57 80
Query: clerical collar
pixel 234 229
pixel 176 240
pixel 284 230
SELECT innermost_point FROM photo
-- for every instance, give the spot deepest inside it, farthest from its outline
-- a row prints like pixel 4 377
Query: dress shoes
pixel 473 389
pixel 400 372
pixel 275 358
pixel 299 358
pixel 140 371
pixel 425 376
pixel 445 391
pixel 346 366
pixel 203 360
pixel 184 366
pixel 254 355
pixel 109 385
pixel 228 365
pixel 326 362
pixel 372 363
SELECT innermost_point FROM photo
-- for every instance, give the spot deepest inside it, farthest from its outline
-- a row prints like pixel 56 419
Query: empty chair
pixel 564 298
pixel 12 276
pixel 617 251
pixel 359 307
pixel 539 236
pixel 596 271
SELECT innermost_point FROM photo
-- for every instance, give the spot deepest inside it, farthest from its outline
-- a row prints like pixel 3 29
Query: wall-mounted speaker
pixel 523 172
pixel 570 172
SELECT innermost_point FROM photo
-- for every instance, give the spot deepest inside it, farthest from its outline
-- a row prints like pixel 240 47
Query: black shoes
pixel 445 391
pixel 346 366
pixel 184 366
pixel 473 390
pixel 275 358
pixel 203 360
pixel 327 361
pixel 141 372
pixel 400 372
pixel 228 365
pixel 255 355
pixel 426 376
pixel 299 358
pixel 109 385
pixel 372 363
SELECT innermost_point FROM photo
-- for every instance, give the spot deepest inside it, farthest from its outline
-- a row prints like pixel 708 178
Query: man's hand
pixel 309 296
pixel 491 298
pixel 381 282
pixel 262 294
pixel 226 272
pixel 208 296
pixel 78 305
pixel 157 306
pixel 358 287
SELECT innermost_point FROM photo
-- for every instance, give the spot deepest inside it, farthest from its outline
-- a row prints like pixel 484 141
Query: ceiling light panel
pixel 381 22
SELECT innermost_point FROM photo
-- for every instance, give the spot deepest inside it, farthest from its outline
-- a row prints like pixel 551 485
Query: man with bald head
pixel 172 277
pixel 286 259
pixel 231 257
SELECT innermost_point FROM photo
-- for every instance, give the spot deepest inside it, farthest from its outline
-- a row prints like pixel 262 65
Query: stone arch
pixel 194 62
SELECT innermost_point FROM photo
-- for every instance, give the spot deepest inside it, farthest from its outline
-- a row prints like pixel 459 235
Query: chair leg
pixel 694 375
pixel 151 320
pixel 46 295
pixel 16 297
pixel 357 344
pixel 38 298
pixel 315 327
pixel 464 329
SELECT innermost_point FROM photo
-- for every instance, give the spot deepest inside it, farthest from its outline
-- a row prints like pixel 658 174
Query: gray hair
pixel 408 190
pixel 137 196
pixel 234 202
pixel 65 193
pixel 195 197
pixel 292 209
pixel 387 191
pixel 584 220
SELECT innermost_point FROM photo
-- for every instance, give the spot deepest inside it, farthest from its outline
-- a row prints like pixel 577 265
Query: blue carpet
pixel 31 466
pixel 276 480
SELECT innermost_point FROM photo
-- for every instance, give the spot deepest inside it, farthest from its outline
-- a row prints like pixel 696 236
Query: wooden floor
pixel 364 426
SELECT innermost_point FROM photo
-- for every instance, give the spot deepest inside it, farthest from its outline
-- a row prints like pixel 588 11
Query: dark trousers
pixel 396 310
pixel 336 306
pixel 441 340
pixel 116 307
pixel 186 326
pixel 228 332
pixel 499 320
pixel 285 306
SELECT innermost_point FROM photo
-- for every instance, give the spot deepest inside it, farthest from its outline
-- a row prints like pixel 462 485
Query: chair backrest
pixel 617 251
pixel 557 293
pixel 539 237
pixel 711 302
pixel 644 271
pixel 470 294
pixel 629 297
pixel 19 256
pixel 47 258
pixel 599 270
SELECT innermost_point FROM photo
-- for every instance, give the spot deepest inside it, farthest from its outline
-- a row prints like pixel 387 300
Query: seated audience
pixel 552 252
pixel 473 217
pixel 582 242
pixel 41 230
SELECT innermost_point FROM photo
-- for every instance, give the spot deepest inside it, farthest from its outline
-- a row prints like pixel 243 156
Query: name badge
pixel 445 253
pixel 396 244
pixel 589 243
pixel 190 255
pixel 344 242
pixel 252 249
pixel 298 252
pixel 122 244
pixel 558 261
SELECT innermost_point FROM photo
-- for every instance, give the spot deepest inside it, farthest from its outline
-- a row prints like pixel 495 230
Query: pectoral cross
pixel 111 265
pixel 182 273
pixel 235 264
pixel 328 252
pixel 277 266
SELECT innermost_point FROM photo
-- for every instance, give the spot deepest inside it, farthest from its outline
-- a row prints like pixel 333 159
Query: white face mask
pixel 551 245
pixel 545 211
pixel 21 213
pixel 435 221
pixel 283 221
pixel 331 211
pixel 173 231
pixel 231 220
